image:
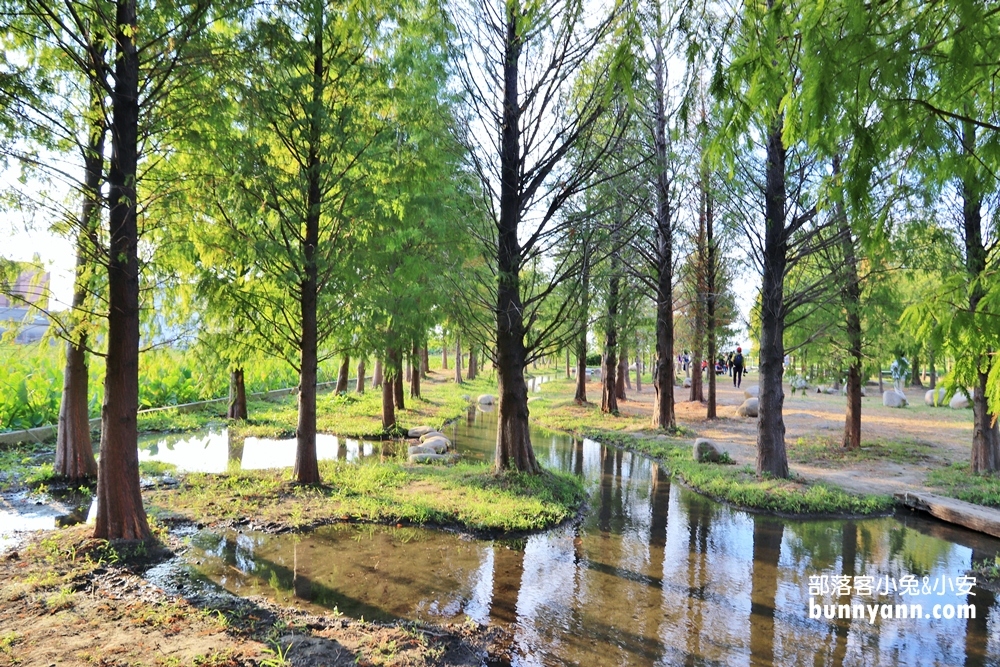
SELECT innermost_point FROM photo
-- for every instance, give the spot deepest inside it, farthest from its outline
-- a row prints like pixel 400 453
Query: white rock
pixel 419 449
pixel 432 434
pixel 418 431
pixel 959 402
pixel 687 382
pixel 438 443
pixel 749 407
pixel 486 399
pixel 753 391
pixel 706 451
pixel 932 400
pixel 893 399
pixel 433 458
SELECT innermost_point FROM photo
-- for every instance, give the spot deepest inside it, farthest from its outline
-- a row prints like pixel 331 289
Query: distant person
pixel 739 366
pixel 729 364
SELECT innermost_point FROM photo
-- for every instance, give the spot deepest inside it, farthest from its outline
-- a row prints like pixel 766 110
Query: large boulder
pixel 419 449
pixel 893 399
pixel 486 399
pixel 439 444
pixel 432 434
pixel 687 382
pixel 706 451
pixel 752 391
pixel 935 397
pixel 959 402
pixel 749 408
pixel 418 431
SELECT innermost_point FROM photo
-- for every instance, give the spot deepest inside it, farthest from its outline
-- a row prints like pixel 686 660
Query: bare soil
pixel 925 436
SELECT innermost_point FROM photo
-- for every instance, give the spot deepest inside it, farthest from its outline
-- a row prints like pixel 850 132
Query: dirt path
pixel 921 437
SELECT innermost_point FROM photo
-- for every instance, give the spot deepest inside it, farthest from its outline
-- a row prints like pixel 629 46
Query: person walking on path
pixel 738 367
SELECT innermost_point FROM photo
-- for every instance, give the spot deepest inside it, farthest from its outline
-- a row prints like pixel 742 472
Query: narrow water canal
pixel 655 574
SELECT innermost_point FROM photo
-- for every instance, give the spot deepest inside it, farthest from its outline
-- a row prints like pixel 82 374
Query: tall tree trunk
pixel 409 368
pixel 444 353
pixel 711 274
pixel 120 514
pixel 237 395
pixel 985 430
pixel 513 437
pixel 771 456
pixel 851 298
pixel 569 373
pixel 415 375
pixel 473 369
pixel 74 450
pixel 581 341
pixel 388 383
pixel 343 374
pixel 609 391
pixel 359 386
pixel 458 358
pixel 663 383
pixel 425 362
pixel 306 466
pixel 377 375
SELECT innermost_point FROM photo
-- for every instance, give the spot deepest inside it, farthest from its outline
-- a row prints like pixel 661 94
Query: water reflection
pixel 216 450
pixel 654 575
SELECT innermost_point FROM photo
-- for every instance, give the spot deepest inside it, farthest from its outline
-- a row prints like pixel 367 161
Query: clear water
pixel 655 575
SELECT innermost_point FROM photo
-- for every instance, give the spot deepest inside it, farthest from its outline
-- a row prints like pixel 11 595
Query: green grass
pixel 467 495
pixel 958 481
pixel 741 486
pixel 825 451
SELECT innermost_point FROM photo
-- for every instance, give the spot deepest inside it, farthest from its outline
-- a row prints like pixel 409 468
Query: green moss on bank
pixel 467 496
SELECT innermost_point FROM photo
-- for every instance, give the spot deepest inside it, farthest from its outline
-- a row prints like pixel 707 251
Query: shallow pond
pixel 655 574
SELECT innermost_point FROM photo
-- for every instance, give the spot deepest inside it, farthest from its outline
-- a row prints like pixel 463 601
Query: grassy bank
pixel 466 496
pixel 737 485
pixel 958 481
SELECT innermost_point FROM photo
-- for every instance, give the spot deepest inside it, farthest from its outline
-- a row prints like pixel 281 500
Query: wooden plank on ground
pixel 975 517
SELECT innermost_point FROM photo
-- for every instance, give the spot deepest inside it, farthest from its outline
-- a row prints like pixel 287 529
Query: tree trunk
pixel 377 374
pixel 771 456
pixel 513 437
pixel 343 374
pixel 663 382
pixel 237 395
pixel 388 384
pixel 397 382
pixel 120 513
pixel 933 370
pixel 581 342
pixel 74 449
pixel 444 353
pixel 359 387
pixel 473 369
pixel 767 538
pixel 985 433
pixel 638 373
pixel 415 375
pixel 306 467
pixel 622 382
pixel 458 358
pixel 609 391
pixel 850 295
pixel 408 373
pixel 915 380
pixel 711 273
pixel 425 362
